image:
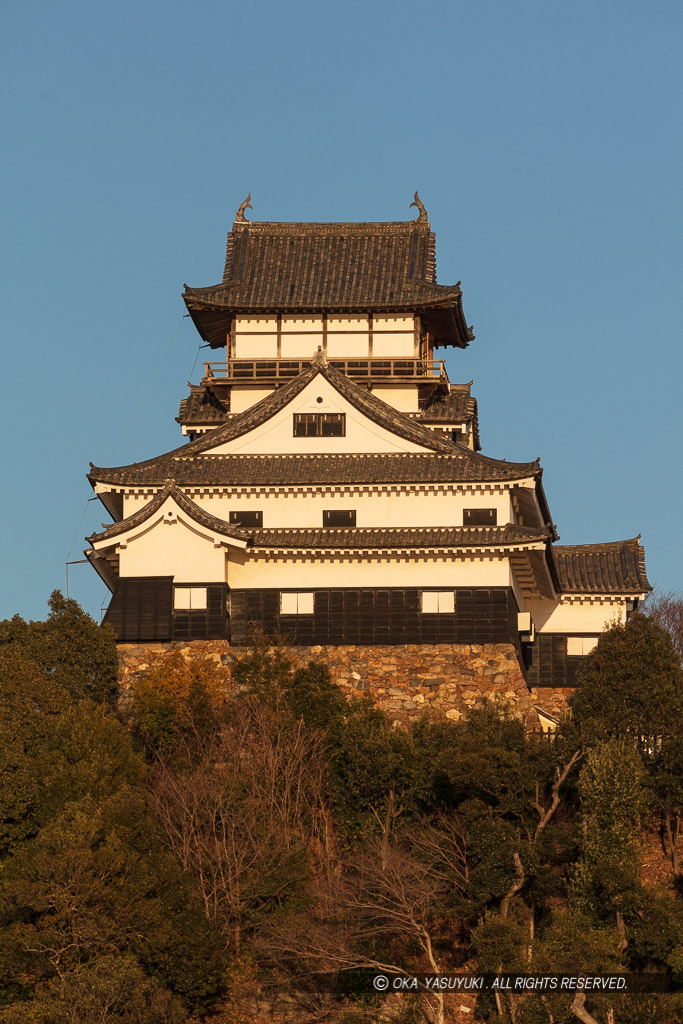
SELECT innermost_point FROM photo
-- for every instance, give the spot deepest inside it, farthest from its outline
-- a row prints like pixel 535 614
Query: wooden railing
pixel 358 369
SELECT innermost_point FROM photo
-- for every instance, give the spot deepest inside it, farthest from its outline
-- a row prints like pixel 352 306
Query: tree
pixel 177 701
pixel 243 816
pixel 631 684
pixel 109 989
pixel 30 705
pixel 667 611
pixel 613 797
pixel 667 779
pixel 69 645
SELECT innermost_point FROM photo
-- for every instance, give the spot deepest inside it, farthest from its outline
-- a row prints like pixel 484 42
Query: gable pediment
pixel 363 432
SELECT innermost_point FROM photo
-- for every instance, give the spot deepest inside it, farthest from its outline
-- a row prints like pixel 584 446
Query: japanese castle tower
pixel 332 491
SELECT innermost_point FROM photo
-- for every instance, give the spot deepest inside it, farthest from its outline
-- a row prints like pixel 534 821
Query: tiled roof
pixel 169 490
pixel 158 469
pixel 398 537
pixel 202 408
pixel 614 568
pixel 457 406
pixel 459 466
pixel 280 266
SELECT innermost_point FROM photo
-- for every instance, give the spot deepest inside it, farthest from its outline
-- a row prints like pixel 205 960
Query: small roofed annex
pixel 332 490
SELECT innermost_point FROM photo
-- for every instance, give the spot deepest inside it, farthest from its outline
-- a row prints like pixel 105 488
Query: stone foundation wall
pixel 552 699
pixel 404 681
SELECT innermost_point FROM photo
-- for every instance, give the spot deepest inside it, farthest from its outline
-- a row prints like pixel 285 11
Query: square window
pixel 189 599
pixel 300 603
pixel 580 646
pixel 181 599
pixel 438 601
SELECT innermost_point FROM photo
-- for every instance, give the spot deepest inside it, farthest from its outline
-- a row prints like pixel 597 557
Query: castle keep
pixel 332 490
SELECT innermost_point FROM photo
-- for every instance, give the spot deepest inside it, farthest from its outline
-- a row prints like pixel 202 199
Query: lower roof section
pixel 399 537
pixel 460 466
pixel 614 568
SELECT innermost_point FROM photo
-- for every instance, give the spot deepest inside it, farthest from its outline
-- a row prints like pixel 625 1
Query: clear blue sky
pixel 545 140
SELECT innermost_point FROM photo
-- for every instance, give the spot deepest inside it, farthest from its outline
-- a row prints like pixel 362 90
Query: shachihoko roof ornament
pixel 246 205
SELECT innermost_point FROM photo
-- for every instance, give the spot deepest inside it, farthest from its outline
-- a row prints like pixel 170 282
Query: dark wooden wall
pixel 381 616
pixel 142 609
pixel 210 623
pixel 548 663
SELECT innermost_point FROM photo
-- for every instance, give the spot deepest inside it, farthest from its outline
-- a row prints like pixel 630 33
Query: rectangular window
pixel 319 424
pixel 300 603
pixel 579 646
pixel 246 519
pixel 339 517
pixel 189 599
pixel 480 517
pixel 438 602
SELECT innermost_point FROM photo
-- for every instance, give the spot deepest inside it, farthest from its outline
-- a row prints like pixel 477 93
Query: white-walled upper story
pixel 296 336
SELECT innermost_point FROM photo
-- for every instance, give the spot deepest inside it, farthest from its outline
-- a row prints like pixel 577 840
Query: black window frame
pixel 332 513
pixel 237 516
pixel 477 517
pixel 318 424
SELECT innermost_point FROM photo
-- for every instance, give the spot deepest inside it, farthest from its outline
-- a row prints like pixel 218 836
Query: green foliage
pixel 86 882
pixel 264 671
pixel 656 932
pixel 177 700
pixel 499 942
pixel 631 684
pixel 372 763
pixel 667 773
pixel 77 653
pixel 314 698
pixel 30 705
pixel 107 989
pixel 613 796
pixel 279 808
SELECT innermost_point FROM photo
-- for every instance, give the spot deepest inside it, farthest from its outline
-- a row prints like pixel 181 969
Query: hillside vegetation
pixel 240 843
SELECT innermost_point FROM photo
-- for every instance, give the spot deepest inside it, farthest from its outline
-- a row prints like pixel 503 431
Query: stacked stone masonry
pixel 446 680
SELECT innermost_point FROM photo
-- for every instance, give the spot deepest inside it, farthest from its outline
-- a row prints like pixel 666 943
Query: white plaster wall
pixel 572 616
pixel 367 571
pixel 348 346
pixel 404 399
pixel 393 337
pixel 175 549
pixel 244 398
pixel 301 336
pixel 276 436
pixel 348 337
pixel 435 507
pixel 255 346
pixel 250 340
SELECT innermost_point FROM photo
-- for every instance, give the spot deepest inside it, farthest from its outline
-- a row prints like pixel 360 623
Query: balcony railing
pixel 275 370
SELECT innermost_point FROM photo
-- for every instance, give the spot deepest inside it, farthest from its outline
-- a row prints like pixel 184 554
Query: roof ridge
pixel 312 226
